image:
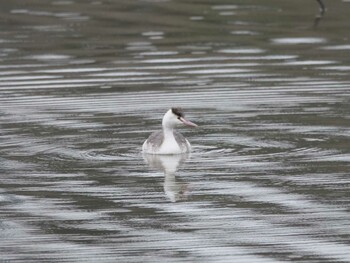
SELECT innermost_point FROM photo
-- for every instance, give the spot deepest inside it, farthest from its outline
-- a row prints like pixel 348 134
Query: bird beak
pixel 188 123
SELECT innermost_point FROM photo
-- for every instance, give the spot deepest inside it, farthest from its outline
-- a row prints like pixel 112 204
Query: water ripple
pixel 267 180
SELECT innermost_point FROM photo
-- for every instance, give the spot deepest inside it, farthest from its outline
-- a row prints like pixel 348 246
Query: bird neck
pixel 168 132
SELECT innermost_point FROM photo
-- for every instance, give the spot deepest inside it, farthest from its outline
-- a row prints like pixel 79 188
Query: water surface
pixel 83 83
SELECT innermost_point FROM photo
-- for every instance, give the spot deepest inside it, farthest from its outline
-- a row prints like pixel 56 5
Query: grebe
pixel 169 141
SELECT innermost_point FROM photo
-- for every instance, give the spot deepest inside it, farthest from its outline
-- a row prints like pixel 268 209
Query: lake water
pixel 84 83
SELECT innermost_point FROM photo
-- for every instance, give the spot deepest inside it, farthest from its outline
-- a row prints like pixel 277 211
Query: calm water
pixel 83 83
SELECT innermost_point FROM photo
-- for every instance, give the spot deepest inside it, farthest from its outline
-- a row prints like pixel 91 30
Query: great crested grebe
pixel 169 141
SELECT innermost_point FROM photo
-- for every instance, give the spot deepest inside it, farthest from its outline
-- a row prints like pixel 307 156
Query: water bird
pixel 169 141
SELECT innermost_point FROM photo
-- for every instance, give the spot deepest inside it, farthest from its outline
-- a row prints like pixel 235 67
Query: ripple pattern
pixel 83 84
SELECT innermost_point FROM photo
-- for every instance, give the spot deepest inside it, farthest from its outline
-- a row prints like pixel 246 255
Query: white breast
pixel 167 145
pixel 170 146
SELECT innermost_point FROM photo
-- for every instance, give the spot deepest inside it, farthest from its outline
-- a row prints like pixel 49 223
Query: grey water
pixel 84 83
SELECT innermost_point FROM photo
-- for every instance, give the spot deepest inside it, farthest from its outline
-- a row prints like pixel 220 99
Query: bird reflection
pixel 174 190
